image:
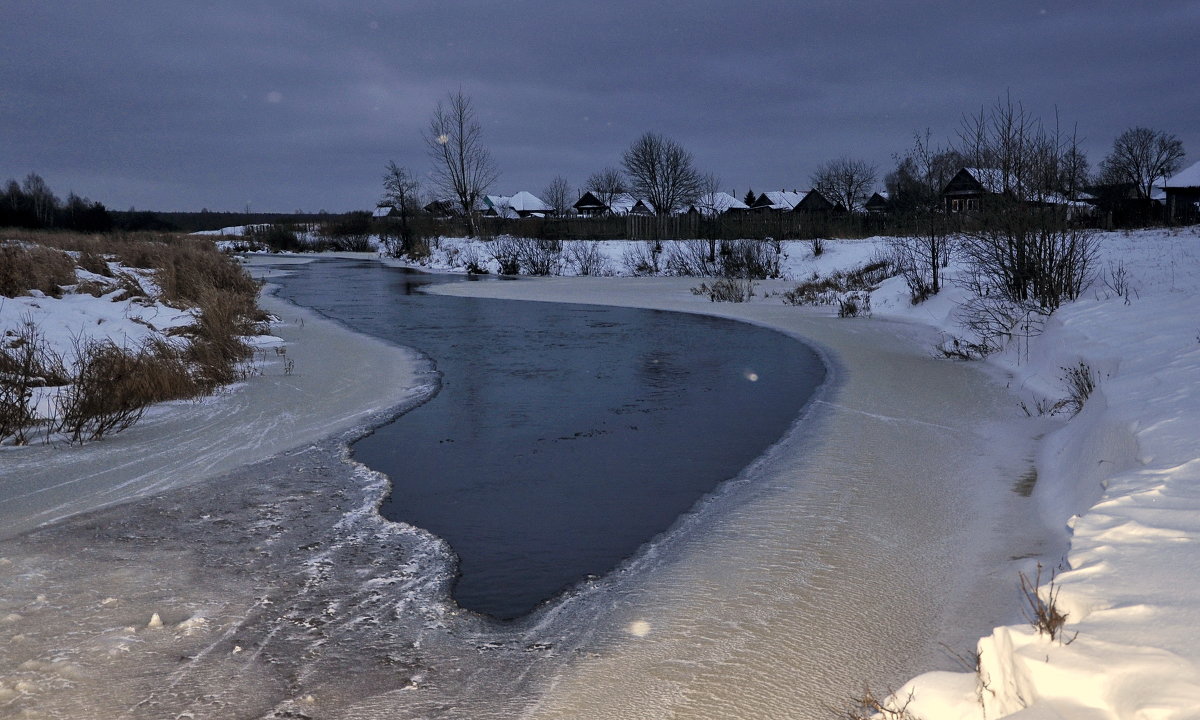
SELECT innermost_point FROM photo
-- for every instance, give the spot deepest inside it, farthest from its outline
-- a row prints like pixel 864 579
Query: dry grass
pixel 1042 609
pixel 112 385
pixel 25 267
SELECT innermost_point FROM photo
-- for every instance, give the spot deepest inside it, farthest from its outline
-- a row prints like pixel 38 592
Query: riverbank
pixel 784 602
pixel 273 410
pixel 1117 483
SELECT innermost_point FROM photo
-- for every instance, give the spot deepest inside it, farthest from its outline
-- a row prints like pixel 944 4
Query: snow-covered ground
pixel 1120 481
pixel 712 635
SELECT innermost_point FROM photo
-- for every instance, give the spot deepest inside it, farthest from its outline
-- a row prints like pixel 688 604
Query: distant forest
pixel 32 204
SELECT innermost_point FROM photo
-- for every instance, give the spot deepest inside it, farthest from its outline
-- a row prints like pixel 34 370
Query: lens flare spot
pixel 639 628
pixel 751 376
pixel 443 139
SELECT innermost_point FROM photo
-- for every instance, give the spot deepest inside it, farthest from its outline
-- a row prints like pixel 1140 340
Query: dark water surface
pixel 564 436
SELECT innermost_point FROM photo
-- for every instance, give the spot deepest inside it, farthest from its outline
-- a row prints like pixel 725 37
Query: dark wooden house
pixel 1183 196
pixel 815 202
pixel 969 187
pixel 877 204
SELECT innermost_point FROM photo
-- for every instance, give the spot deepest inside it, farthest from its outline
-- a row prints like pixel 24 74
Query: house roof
pixel 779 200
pixel 382 211
pixel 528 202
pixel 1188 177
pixel 716 203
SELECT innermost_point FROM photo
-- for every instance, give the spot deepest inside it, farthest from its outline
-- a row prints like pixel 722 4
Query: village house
pixel 815 202
pixel 877 204
pixel 777 201
pixel 523 204
pixel 713 204
pixel 1182 192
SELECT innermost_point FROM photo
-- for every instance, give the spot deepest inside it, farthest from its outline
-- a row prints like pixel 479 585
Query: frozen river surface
pixel 563 437
pixel 883 525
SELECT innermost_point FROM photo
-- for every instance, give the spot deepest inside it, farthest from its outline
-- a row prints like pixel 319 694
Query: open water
pixel 563 436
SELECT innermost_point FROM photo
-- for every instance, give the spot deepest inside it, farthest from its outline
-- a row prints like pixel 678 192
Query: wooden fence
pixel 755 226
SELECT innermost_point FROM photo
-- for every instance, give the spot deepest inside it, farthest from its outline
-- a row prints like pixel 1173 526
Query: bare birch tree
pixel 662 172
pixel 401 190
pixel 462 166
pixel 916 187
pixel 558 195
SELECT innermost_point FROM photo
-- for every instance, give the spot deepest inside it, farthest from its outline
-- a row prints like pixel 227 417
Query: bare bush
pixel 1079 382
pixel 829 290
pixel 539 256
pixel 727 290
pixel 26 363
pixel 641 259
pixel 1118 282
pixel 855 304
pixel 507 255
pixel 1041 608
pixel 869 707
pixel 584 258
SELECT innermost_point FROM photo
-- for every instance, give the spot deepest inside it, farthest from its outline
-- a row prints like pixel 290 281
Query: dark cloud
pixel 222 104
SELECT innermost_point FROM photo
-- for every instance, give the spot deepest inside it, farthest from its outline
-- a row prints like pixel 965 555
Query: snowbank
pixel 317 379
pixel 1123 479
pixel 1120 481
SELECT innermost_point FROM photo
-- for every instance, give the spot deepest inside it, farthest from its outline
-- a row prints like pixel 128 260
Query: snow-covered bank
pixel 1123 477
pixel 884 524
pixel 185 441
pixel 1119 481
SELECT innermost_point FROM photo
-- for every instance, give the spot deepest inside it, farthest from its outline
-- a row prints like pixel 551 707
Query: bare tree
pixel 462 167
pixel 1023 249
pixel 41 198
pixel 402 191
pixel 606 185
pixel 662 172
pixel 917 185
pixel 558 195
pixel 1143 157
pixel 846 181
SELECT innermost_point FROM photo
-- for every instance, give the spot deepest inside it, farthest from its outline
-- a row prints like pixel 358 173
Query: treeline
pixel 33 205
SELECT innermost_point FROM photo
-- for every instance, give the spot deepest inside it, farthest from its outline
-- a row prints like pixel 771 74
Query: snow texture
pixel 884 523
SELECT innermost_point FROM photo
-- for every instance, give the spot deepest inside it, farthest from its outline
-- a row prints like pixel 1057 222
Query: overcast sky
pixel 172 105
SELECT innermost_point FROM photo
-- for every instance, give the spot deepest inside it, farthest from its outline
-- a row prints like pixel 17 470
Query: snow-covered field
pixel 1117 482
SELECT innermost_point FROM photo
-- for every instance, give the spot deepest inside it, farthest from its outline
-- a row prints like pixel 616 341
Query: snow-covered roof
pixel 716 203
pixel 781 199
pixel 622 204
pixel 1188 177
pixel 528 202
pixel 382 211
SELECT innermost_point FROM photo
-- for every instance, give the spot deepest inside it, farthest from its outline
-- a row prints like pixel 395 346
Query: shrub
pixel 727 290
pixel 856 304
pixel 26 363
pixel 25 267
pixel 1079 382
pixel 641 259
pixel 1041 609
pixel 507 255
pixel 832 289
pixel 584 258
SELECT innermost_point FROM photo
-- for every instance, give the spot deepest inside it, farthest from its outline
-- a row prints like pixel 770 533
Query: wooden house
pixel 1182 191
pixel 877 204
pixel 781 201
pixel 970 186
pixel 590 205
pixel 713 204
pixel 523 204
pixel 815 202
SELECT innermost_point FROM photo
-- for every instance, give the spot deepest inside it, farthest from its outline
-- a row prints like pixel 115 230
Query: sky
pixel 300 105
